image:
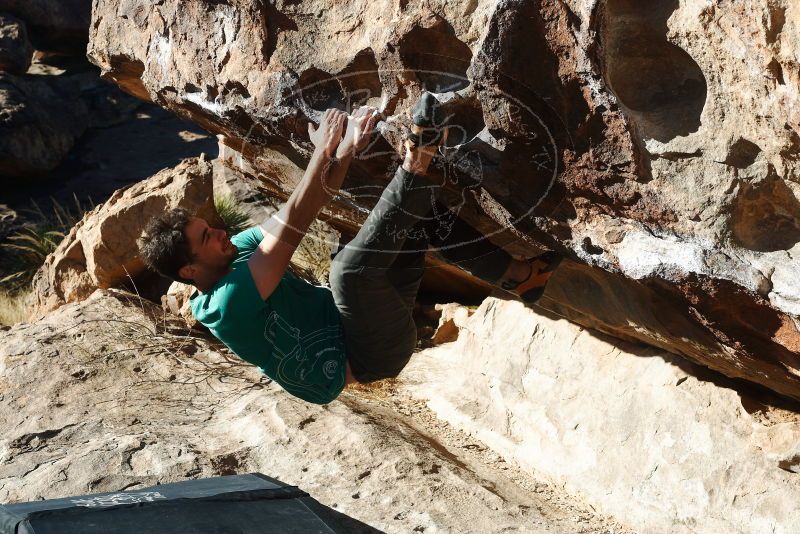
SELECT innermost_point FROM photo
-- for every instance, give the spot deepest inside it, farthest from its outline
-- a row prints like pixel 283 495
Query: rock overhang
pixel 601 129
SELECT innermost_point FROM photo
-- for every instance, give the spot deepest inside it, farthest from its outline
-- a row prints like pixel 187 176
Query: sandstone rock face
pixel 663 445
pixel 55 25
pixel 657 147
pixel 176 302
pixel 452 319
pixel 100 251
pixel 110 394
pixel 15 49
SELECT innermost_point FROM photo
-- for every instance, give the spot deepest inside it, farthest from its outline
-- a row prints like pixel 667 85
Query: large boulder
pixel 15 48
pixel 111 394
pixel 177 302
pixel 101 252
pixel 661 444
pixel 657 147
pixel 54 25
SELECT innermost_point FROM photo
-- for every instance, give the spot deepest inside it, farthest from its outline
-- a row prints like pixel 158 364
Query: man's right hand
pixel 327 136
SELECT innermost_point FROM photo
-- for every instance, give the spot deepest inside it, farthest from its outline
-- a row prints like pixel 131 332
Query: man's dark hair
pixel 163 246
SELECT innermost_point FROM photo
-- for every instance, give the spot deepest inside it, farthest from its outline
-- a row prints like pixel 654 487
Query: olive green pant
pixel 376 276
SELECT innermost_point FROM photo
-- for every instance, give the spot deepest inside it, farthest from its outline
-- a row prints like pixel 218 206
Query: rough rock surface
pixel 100 251
pixel 37 126
pixel 176 302
pixel 15 48
pixel 663 445
pixel 54 25
pixel 108 395
pixel 43 113
pixel 657 147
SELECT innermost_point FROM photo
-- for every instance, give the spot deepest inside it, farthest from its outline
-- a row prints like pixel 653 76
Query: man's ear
pixel 187 272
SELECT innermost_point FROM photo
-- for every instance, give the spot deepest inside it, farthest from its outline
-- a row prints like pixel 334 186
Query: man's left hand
pixel 359 129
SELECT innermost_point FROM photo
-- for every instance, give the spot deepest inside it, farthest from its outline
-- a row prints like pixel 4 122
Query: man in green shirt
pixel 310 339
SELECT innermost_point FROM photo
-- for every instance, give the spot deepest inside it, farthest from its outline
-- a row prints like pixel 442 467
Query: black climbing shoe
pixel 427 116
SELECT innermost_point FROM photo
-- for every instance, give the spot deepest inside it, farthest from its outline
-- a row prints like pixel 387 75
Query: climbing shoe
pixel 426 115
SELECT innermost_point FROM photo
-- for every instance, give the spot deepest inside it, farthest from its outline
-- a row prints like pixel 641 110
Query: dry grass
pixel 14 307
pixel 380 389
pixel 136 334
pixel 233 215
pixel 26 248
pixel 313 254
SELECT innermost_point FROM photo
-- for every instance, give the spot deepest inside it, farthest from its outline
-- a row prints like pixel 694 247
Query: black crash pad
pixel 237 504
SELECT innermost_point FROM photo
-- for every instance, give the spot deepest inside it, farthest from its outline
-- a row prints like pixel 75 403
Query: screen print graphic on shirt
pixel 306 350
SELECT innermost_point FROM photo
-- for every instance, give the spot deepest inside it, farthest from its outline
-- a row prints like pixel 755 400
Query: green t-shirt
pixel 295 335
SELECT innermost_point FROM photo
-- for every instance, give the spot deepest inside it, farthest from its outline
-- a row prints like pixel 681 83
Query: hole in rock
pixel 660 84
pixel 233 87
pixel 321 90
pixel 775 22
pixel 464 121
pixel 360 80
pixel 591 248
pixel 742 153
pixel 775 70
pixel 766 216
pixel 437 57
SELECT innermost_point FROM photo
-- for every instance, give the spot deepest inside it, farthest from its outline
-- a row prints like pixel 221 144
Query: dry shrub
pixel 14 307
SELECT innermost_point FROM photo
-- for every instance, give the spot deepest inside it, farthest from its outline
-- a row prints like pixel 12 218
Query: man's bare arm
pixel 357 134
pixel 284 230
pixel 321 181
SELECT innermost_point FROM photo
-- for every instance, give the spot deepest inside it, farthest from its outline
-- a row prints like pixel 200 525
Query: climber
pixel 309 339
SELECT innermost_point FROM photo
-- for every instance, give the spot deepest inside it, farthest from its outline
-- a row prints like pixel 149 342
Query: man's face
pixel 210 247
